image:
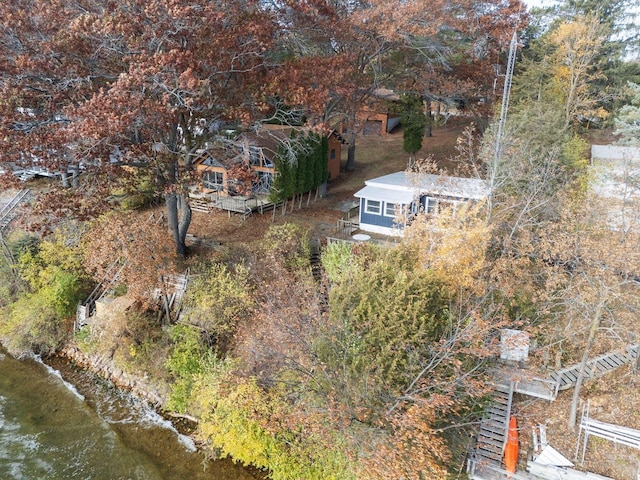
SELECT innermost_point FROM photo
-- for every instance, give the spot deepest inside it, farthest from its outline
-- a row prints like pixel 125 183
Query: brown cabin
pixel 247 166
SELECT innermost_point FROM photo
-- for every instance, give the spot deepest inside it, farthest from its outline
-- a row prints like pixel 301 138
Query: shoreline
pixel 133 413
pixel 72 357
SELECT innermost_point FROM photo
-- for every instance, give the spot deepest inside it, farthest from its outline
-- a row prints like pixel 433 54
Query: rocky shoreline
pixel 143 388
pixel 102 366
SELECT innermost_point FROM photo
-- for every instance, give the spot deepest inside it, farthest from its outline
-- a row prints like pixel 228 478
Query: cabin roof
pixel 402 187
pixel 268 139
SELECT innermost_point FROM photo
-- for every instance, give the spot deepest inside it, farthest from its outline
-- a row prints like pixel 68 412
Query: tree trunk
pixel 593 329
pixel 322 189
pixel 185 218
pixel 178 220
pixel 427 112
pixel 75 172
pixel 351 155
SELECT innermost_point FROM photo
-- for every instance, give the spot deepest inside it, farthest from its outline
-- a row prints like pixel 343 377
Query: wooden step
pixel 499 437
pixel 491 444
pixel 498 407
pixel 490 458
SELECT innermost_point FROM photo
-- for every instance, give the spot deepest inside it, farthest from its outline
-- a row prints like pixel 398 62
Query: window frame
pixel 401 208
pixel 213 185
pixel 255 156
pixel 431 205
pixel 370 209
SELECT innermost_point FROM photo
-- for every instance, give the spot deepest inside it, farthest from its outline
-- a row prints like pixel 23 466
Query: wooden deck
pixel 240 204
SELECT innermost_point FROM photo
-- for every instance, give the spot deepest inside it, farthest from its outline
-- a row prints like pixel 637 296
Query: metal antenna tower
pixel 493 170
pixel 505 96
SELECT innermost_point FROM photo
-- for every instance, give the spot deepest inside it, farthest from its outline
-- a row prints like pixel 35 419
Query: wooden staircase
pixel 87 308
pixel 199 205
pixel 596 367
pixel 548 388
pixel 175 287
pixel 485 460
pixel 491 439
pixel 9 212
pixel 315 258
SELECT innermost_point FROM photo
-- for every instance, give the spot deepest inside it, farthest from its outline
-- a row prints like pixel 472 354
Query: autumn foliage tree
pixel 431 49
pixel 39 319
pixel 112 249
pixel 108 84
pixel 453 53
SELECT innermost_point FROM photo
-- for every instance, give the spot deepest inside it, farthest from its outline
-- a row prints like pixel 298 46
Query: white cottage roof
pixel 386 194
pixel 402 187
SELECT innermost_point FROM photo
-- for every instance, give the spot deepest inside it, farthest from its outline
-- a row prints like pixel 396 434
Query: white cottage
pixel 383 198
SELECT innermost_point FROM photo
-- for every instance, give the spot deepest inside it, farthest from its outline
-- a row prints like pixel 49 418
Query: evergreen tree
pixel 312 147
pixel 281 178
pixel 321 171
pixel 619 38
pixel 414 122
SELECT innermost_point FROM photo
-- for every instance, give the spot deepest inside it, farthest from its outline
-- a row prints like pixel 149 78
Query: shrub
pixel 217 300
pixel 33 325
pixel 240 420
pixel 288 244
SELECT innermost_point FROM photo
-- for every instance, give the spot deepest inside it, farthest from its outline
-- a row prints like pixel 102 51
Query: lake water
pixel 52 430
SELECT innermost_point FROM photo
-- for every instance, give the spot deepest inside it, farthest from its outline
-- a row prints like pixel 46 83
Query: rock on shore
pixel 142 387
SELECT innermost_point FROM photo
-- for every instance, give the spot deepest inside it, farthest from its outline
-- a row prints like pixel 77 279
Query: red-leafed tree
pixel 455 54
pixel 345 51
pixel 106 83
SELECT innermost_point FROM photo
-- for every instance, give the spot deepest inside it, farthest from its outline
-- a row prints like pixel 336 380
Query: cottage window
pixel 213 180
pixel 431 206
pixel 263 182
pixel 255 154
pixel 373 206
pixel 393 209
pixel 333 153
